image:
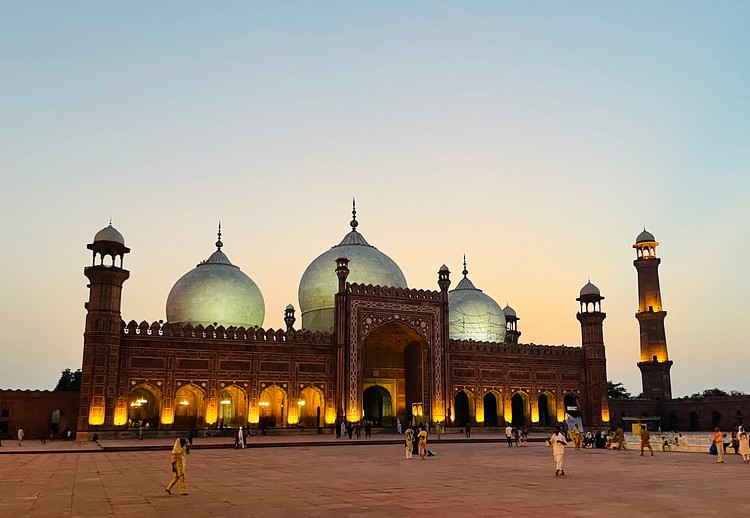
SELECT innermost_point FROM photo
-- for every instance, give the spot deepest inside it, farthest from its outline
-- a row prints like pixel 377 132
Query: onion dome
pixel 509 312
pixel 111 234
pixel 590 289
pixel 319 284
pixel 473 315
pixel 216 292
pixel 645 237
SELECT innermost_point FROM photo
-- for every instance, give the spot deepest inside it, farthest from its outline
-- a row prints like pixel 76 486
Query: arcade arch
pixel 463 404
pixel 144 403
pixel 493 408
pixel 520 408
pixel 273 407
pixel 233 406
pixel 311 407
pixel 547 406
pixel 189 406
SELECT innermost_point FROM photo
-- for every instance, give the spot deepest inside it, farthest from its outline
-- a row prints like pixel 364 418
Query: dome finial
pixel 354 221
pixel 219 244
pixel 465 271
pixel 110 222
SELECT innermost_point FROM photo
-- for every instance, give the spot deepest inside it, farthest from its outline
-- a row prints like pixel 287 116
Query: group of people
pixel 420 446
pixel 345 428
pixel 740 442
pixel 517 435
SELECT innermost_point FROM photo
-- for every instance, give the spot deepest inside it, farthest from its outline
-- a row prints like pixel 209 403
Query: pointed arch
pixel 190 406
pixel 274 407
pixel 144 405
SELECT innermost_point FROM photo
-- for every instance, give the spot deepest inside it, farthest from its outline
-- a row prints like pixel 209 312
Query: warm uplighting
pixel 121 415
pixel 264 404
pixel 301 403
pixel 605 415
pixel 212 413
pixel 225 402
pixel 330 415
pixel 138 402
pixel 96 415
pixel 184 402
pixel 534 412
pixel 167 416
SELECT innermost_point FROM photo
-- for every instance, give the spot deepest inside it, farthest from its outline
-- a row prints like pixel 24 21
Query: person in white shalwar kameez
pixel 558 443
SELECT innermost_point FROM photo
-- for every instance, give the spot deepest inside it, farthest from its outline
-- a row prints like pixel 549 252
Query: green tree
pixel 617 391
pixel 69 381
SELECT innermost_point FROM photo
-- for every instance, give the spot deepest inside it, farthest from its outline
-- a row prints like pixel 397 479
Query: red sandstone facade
pixel 389 358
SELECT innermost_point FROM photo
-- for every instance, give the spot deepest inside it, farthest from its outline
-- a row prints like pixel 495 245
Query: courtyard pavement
pixel 296 478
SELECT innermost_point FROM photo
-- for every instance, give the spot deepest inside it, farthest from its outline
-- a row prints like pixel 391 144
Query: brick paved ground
pixel 465 479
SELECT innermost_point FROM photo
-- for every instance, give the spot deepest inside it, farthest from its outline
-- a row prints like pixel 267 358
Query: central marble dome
pixel 319 284
pixel 216 292
pixel 473 315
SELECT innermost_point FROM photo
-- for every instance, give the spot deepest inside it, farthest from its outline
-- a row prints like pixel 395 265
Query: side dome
pixel 216 291
pixel 111 234
pixel 319 284
pixel 509 312
pixel 473 315
pixel 645 237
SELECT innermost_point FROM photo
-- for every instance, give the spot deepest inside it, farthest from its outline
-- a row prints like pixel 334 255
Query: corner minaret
pixel 654 362
pixel 101 339
pixel 592 318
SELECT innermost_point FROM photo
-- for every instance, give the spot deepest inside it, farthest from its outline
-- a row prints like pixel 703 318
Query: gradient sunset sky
pixel 538 138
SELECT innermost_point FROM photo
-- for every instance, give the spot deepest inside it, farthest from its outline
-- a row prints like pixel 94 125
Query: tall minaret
pixel 592 318
pixel 101 340
pixel 654 362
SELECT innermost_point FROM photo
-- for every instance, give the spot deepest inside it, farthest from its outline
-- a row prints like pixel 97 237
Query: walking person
pixel 178 458
pixel 398 426
pixel 620 434
pixel 337 426
pixel 744 441
pixel 509 436
pixel 719 443
pixel 467 429
pixel 20 436
pixel 646 440
pixel 422 436
pixel 558 443
pixel 409 444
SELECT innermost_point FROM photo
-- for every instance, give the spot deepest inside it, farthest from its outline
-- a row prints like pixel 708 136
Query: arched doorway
pixel 54 426
pixel 547 409
pixel 394 359
pixel 273 407
pixel 491 405
pixel 143 406
pixel 310 405
pixel 715 418
pixel 461 408
pixel 519 408
pixel 232 407
pixel 694 423
pixel 377 403
pixel 189 406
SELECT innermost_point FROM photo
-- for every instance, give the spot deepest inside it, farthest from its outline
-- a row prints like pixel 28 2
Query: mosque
pixel 369 347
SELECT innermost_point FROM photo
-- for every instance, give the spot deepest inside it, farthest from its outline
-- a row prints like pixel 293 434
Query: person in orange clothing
pixel 719 443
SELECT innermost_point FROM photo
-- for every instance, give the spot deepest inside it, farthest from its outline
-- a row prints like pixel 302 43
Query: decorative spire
pixel 110 222
pixel 465 271
pixel 354 221
pixel 219 244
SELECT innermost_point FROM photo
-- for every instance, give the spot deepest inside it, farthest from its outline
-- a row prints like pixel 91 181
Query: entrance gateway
pixel 394 358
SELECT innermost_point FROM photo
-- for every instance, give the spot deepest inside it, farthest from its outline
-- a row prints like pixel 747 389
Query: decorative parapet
pixel 210 332
pixel 391 291
pixel 533 350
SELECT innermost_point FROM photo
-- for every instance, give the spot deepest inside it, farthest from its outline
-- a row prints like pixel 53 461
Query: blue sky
pixel 537 138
